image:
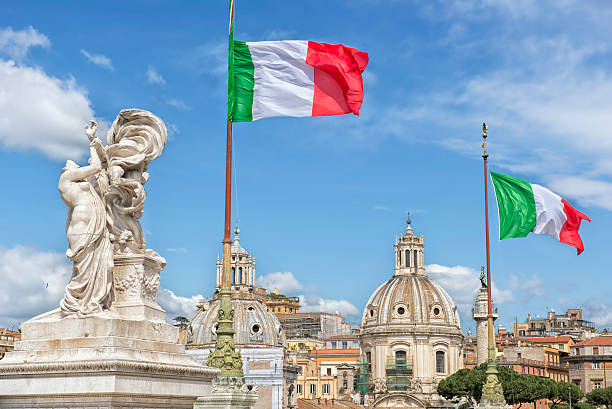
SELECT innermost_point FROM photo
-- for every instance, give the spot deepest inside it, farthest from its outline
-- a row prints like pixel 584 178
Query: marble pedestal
pixel 228 393
pixel 126 357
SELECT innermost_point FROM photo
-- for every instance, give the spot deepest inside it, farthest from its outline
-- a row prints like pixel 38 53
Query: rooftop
pixel 602 340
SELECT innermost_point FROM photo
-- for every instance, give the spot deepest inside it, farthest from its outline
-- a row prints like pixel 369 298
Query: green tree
pixel 559 393
pixel 600 397
pixel 518 388
pixel 181 322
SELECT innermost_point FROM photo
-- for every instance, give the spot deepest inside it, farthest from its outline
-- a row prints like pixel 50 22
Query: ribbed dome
pixel 410 299
pixel 253 322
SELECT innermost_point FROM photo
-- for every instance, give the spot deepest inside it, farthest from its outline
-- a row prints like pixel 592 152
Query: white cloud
pixel 588 192
pixel 462 284
pixel 177 249
pixel 527 288
pixel 16 44
pixel 179 103
pixel 43 113
pixel 285 282
pixel 153 77
pixel 176 305
pixel 33 282
pixel 318 304
pixel 173 130
pixel 288 284
pixel 99 59
pixel 600 313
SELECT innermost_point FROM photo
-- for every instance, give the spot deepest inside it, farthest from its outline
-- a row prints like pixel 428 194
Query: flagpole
pixel 225 356
pixel 492 392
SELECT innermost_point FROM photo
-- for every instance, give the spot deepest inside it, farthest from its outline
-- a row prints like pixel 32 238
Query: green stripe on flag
pixel 231 98
pixel 515 205
pixel 244 81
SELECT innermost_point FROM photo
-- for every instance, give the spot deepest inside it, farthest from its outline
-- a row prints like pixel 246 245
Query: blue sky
pixel 319 200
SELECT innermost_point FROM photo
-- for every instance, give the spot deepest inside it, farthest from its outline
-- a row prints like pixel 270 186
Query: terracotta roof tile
pixel 602 340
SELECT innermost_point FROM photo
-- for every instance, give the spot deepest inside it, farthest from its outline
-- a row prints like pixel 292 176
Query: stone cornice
pixel 104 367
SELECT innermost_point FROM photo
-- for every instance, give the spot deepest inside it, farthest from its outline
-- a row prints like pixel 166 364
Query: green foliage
pixel 577 405
pixel 560 392
pixel 600 397
pixel 518 388
pixel 181 322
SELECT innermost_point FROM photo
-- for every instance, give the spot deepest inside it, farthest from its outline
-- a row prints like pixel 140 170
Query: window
pixel 240 275
pixel 369 359
pixel 561 347
pixel 596 384
pixel 519 355
pixel 233 275
pixel 344 344
pixel 334 344
pixel 595 350
pixel 313 388
pixel 416 259
pixel 440 358
pixel 400 357
pixel 576 365
pixel 329 372
pixel 595 365
pixel 399 261
pixel 326 389
pixel 407 258
pixel 299 388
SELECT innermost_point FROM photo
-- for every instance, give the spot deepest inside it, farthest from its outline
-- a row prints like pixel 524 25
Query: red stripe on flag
pixel 338 85
pixel 569 231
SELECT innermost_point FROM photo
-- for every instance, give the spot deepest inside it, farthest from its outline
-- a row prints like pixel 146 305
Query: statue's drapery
pixel 89 290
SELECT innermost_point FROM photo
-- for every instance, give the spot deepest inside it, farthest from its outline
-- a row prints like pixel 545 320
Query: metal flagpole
pixel 492 391
pixel 225 355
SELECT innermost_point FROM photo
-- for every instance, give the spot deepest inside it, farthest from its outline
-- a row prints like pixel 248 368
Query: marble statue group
pixel 105 201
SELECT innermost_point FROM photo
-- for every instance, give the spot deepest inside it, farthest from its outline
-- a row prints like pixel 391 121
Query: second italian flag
pixel 293 78
pixel 526 207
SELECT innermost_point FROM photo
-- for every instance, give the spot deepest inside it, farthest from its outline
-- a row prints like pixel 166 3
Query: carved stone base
pixel 228 393
pixel 135 283
pixel 100 361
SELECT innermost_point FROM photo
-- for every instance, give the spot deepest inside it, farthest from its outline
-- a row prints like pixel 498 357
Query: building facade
pixel 280 304
pixel 411 335
pixel 320 325
pixel 7 340
pixel 590 363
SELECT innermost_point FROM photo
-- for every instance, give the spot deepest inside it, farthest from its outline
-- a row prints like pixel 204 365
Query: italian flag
pixel 526 207
pixel 294 78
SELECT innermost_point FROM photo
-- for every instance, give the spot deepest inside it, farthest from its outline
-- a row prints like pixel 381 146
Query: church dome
pixel 409 297
pixel 253 322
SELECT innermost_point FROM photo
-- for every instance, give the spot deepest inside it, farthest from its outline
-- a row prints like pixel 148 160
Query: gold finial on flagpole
pixel 485 155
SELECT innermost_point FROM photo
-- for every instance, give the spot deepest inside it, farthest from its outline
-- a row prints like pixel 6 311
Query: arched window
pixel 369 359
pixel 400 357
pixel 233 275
pixel 399 258
pixel 407 258
pixel 416 259
pixel 240 275
pixel 440 360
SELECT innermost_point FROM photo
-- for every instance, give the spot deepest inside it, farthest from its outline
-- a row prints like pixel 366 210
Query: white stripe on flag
pixel 284 84
pixel 550 216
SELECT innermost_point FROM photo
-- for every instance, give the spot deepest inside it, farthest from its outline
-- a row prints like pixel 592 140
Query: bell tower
pixel 242 264
pixel 409 253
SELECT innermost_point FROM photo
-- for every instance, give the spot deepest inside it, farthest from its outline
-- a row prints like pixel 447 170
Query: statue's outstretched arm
pixel 82 173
